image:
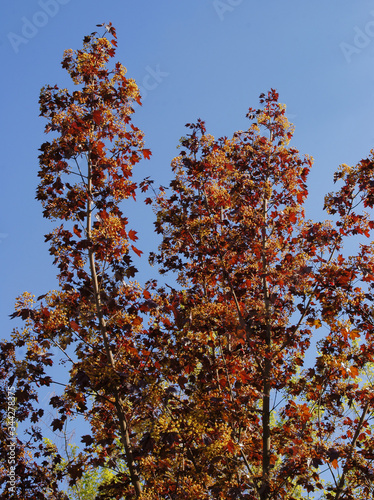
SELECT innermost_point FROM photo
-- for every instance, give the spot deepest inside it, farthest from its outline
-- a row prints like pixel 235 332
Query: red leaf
pixel 230 446
pixel 103 214
pixel 138 252
pixel 300 197
pixel 77 231
pixel 147 153
pixel 166 322
pixel 292 218
pixel 132 235
pixel 369 277
pixel 97 117
pixel 74 326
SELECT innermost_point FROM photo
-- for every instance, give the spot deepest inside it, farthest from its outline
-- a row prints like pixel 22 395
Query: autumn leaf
pixel 77 231
pixel 146 153
pixel 132 235
pixel 335 464
pixel 97 117
pixel 74 326
pixel 87 440
pixel 138 252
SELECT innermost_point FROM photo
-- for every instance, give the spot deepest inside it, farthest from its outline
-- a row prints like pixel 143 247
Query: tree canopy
pixel 252 376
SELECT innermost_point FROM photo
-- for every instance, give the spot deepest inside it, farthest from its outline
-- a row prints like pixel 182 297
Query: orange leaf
pixel 137 321
pixel 300 197
pixel 292 218
pixel 147 153
pixel 77 231
pixel 354 334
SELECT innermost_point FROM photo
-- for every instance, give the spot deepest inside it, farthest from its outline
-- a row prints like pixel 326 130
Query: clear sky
pixel 193 58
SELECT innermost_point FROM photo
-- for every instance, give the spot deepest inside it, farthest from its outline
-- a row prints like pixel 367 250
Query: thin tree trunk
pixel 124 429
pixel 266 432
pixel 266 411
pixel 341 484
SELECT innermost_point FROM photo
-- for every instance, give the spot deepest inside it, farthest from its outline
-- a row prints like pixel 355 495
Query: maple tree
pixel 257 280
pixel 95 318
pixel 253 377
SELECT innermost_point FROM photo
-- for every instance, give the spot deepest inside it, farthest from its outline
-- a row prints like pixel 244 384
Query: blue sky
pixel 197 58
